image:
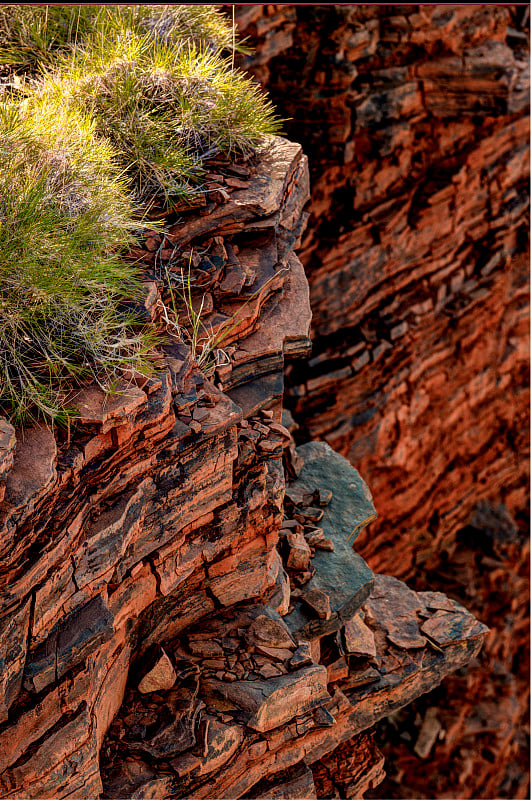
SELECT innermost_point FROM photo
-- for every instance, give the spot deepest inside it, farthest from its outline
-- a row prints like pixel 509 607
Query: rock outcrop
pixel 415 122
pixel 174 622
pixel 415 119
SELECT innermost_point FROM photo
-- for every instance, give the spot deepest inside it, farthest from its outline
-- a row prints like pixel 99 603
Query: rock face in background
pixel 482 745
pixel 415 119
pixel 415 122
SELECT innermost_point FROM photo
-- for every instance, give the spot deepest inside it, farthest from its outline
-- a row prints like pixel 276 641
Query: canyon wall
pixel 183 613
pixel 415 119
pixel 415 122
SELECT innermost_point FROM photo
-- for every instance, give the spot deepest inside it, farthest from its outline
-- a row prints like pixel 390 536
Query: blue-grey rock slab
pixel 341 574
pixel 351 507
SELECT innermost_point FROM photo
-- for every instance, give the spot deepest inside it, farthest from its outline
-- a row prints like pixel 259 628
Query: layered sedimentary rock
pixel 174 622
pixel 415 119
pixel 143 518
pixel 484 723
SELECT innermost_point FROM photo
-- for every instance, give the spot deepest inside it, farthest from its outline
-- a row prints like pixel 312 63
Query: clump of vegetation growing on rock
pixel 64 218
pixel 205 26
pixel 166 106
pixel 33 35
pixel 103 109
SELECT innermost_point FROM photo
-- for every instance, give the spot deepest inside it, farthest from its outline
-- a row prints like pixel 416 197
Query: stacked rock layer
pixel 415 120
pixel 174 622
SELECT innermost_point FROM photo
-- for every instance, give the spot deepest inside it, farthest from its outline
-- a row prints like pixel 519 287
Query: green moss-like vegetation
pixel 64 217
pixel 103 109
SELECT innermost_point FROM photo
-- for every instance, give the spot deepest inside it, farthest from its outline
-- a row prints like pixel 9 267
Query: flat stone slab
pixel 271 703
pixel 160 678
pixel 257 394
pixel 34 467
pixel 351 507
pixel 358 638
pixel 340 574
pixel 450 627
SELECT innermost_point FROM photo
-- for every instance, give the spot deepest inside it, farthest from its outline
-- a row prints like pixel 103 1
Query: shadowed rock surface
pixel 415 120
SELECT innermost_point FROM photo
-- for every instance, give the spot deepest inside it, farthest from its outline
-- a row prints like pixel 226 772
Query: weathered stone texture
pixel 174 622
pixel 415 119
pixel 298 715
pixel 168 674
pixel 162 506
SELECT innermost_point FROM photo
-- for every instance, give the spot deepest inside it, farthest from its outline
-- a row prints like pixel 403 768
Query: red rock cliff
pixel 175 621
pixel 415 119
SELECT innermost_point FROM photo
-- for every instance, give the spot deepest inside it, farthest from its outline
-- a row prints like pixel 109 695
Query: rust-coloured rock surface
pixel 174 622
pixel 267 725
pixel 162 505
pixel 415 120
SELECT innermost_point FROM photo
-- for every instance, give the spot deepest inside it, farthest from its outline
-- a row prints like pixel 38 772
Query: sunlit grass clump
pixel 166 106
pixel 203 25
pixel 103 110
pixel 64 217
pixel 32 35
pixel 156 80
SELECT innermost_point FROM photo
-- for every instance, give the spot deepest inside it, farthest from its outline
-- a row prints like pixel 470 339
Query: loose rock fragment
pixel 323 718
pixel 318 602
pixel 312 515
pixel 278 653
pixel 271 703
pixel 323 497
pixel 270 671
pixel 160 678
pixel 325 544
pixel 314 535
pixel 268 632
pixel 429 733
pixel 302 656
pixel 299 552
pixel 204 647
pixel 359 639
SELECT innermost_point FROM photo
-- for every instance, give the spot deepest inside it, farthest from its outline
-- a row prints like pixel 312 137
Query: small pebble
pixel 325 544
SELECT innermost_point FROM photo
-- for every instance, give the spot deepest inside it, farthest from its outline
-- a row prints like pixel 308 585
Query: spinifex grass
pixel 30 34
pixel 128 100
pixel 165 105
pixel 204 25
pixel 33 35
pixel 63 218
